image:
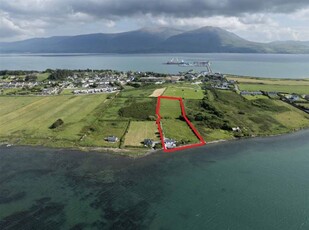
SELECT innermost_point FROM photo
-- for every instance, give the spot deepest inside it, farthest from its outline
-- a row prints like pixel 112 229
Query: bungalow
pixel 253 93
pixel 148 143
pixel 272 94
pixel 236 129
pixel 111 139
pixel 169 143
pixel 292 97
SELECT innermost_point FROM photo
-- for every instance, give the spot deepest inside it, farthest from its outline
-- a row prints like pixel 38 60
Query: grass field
pixel 140 130
pixel 157 92
pixel 139 92
pixel 43 76
pixel 215 134
pixel 172 126
pixel 112 108
pixel 254 117
pixel 299 89
pixel 100 129
pixel 88 119
pixel 254 97
pixel 293 118
pixel 268 81
pixel 170 108
pixel 67 92
pixel 111 112
pixel 184 92
pixel 30 117
pixel 306 105
pixel 178 130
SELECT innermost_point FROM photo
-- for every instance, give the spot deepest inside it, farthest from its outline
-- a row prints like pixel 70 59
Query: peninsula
pixel 108 109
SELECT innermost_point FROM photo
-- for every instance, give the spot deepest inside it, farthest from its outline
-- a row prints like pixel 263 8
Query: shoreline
pixel 140 153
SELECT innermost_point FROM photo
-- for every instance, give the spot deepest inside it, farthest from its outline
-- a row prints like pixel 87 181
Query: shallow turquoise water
pixel 259 65
pixel 260 183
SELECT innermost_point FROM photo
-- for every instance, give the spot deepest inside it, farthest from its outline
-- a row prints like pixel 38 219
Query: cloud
pixel 29 18
pixel 176 8
pixel 8 28
pixel 184 8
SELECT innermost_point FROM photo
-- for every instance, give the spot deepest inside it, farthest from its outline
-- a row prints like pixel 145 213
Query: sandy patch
pixel 157 92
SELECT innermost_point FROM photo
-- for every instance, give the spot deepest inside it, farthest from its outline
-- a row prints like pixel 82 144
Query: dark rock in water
pixel 6 197
pixel 43 215
pixel 79 226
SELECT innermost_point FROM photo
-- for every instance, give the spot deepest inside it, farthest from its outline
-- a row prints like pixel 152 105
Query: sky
pixel 255 20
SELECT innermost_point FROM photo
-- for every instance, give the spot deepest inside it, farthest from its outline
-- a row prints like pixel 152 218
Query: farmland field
pixel 254 97
pixel 139 92
pixel 102 129
pixel 170 108
pixel 32 116
pixel 184 92
pixel 299 89
pixel 140 130
pixel 178 130
pixel 111 111
pixel 306 105
pixel 172 126
pixel 269 81
pixel 157 92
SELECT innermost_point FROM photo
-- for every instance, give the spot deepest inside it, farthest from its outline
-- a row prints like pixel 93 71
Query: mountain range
pixel 157 40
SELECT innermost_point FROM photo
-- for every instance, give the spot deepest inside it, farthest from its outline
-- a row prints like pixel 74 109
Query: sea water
pixel 255 184
pixel 258 65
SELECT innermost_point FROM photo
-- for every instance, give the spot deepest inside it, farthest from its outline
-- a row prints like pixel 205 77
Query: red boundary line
pixel 183 113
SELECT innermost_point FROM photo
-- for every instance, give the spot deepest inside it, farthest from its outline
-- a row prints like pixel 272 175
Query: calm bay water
pixel 251 184
pixel 259 65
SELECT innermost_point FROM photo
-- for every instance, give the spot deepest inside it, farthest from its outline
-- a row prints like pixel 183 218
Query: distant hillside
pixel 158 40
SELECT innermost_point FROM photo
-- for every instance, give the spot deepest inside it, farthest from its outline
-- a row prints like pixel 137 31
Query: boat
pixel 174 61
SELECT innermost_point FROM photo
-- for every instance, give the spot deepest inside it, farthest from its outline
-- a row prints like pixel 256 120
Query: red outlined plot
pixel 183 113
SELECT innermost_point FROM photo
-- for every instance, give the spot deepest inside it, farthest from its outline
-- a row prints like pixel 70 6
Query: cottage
pixel 236 129
pixel 111 139
pixel 148 142
pixel 292 97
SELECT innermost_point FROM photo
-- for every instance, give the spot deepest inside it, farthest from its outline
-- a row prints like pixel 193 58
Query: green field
pixel 254 117
pixel 42 76
pixel 172 126
pixel 184 92
pixel 298 89
pixel 132 108
pixel 139 92
pixel 140 130
pixel 178 130
pixel 254 97
pixel 170 108
pixel 305 105
pixel 112 108
pixel 100 129
pixel 130 116
pixel 269 81
pixel 30 117
pixel 67 92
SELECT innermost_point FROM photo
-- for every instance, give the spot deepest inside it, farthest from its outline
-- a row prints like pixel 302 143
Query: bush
pixel 139 110
pixel 56 124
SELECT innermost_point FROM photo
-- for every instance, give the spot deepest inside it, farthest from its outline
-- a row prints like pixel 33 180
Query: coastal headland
pixel 106 109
